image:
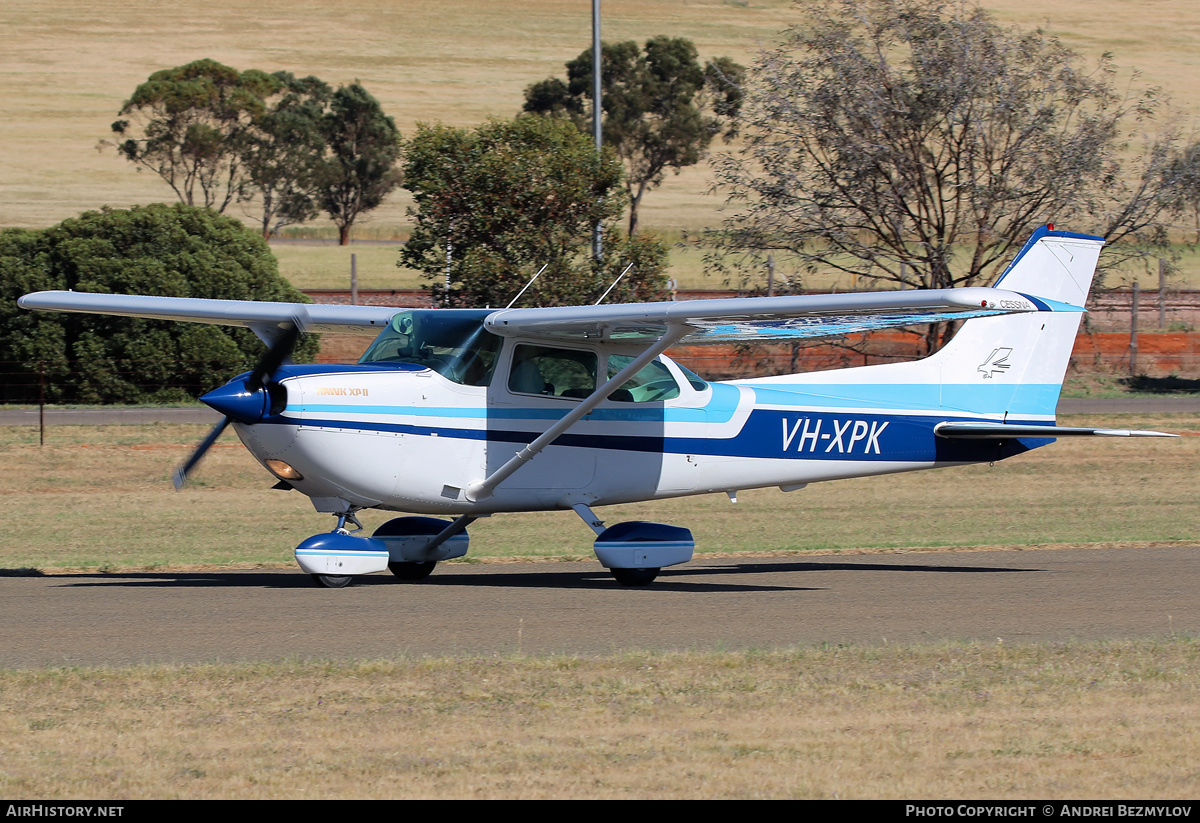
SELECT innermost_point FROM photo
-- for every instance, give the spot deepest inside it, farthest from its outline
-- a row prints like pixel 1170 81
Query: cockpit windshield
pixel 451 342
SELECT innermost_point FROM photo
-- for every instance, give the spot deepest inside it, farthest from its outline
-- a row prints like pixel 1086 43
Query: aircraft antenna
pixel 614 285
pixel 527 285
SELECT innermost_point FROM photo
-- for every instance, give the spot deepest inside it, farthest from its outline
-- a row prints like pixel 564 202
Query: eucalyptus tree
pixel 192 125
pixel 496 204
pixel 662 107
pixel 362 147
pixel 283 152
pixel 921 143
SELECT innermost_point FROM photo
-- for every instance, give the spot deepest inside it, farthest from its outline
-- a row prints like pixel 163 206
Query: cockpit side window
pixel 451 342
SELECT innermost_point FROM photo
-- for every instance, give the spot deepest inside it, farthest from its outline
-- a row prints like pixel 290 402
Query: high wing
pixel 765 318
pixel 706 321
pixel 265 319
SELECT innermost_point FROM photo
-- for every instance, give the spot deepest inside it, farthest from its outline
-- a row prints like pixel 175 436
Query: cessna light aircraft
pixel 470 413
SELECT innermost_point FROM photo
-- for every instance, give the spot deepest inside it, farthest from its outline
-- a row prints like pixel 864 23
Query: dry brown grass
pixel 1102 721
pixel 1096 721
pixel 69 65
pixel 99 497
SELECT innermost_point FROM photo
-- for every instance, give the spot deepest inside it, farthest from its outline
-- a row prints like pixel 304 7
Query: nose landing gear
pixel 335 558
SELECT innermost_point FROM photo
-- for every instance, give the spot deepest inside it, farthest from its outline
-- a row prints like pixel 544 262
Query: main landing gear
pixel 635 552
pixel 412 571
pixel 408 547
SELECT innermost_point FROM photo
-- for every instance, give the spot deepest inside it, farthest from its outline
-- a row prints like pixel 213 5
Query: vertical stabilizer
pixel 1006 368
pixel 1015 365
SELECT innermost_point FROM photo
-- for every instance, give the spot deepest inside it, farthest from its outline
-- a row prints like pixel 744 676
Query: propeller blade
pixel 279 351
pixel 180 476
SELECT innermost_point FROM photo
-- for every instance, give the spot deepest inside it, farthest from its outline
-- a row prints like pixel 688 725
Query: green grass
pixel 326 265
pixel 1106 386
pixel 322 264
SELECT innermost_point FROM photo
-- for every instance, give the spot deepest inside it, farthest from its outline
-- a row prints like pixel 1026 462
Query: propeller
pixel 246 400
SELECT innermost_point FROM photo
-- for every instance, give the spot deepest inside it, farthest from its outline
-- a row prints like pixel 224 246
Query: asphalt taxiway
pixel 576 608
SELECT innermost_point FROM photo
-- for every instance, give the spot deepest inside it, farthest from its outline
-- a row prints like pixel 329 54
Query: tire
pixel 412 571
pixel 634 577
pixel 329 581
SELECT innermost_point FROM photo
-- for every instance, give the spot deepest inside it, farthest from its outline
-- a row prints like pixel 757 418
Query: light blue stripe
pixel 1056 305
pixel 720 409
pixel 1023 398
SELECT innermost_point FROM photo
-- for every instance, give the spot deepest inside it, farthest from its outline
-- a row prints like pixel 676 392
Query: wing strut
pixel 485 487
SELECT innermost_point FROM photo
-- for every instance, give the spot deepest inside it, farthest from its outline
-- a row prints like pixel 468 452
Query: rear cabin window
pixel 552 372
pixel 653 382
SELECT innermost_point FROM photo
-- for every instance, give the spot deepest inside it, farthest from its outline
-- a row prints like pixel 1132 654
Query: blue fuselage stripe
pixel 799 434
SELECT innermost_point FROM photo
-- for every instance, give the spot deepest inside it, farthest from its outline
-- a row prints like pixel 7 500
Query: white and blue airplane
pixel 452 415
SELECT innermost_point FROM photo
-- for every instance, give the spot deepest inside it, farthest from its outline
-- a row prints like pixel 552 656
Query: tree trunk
pixel 344 235
pixel 634 201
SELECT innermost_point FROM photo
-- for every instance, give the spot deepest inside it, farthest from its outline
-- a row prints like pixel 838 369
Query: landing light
pixel 284 471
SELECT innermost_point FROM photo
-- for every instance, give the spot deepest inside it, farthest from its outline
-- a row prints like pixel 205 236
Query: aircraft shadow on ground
pixel 1171 385
pixel 712 578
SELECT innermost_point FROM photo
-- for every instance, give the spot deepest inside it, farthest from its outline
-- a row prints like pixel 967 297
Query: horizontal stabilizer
pixel 1003 431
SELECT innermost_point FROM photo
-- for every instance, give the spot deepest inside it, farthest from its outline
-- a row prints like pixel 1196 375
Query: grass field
pixel 930 721
pixel 114 479
pixel 1101 721
pixel 1116 720
pixel 68 66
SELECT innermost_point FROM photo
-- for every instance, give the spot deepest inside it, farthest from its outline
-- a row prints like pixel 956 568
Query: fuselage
pixel 409 437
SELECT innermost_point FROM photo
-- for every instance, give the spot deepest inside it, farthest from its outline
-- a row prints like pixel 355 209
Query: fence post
pixel 353 279
pixel 1162 292
pixel 41 402
pixel 1133 332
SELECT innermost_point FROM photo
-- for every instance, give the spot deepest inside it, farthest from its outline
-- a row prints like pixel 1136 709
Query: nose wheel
pixel 634 577
pixel 335 558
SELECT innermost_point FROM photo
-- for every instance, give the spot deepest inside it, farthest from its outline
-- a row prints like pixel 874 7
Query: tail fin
pixel 1014 366
pixel 1006 368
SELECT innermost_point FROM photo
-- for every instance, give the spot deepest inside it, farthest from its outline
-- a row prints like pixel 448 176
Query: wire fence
pixel 1151 353
pixel 39 382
